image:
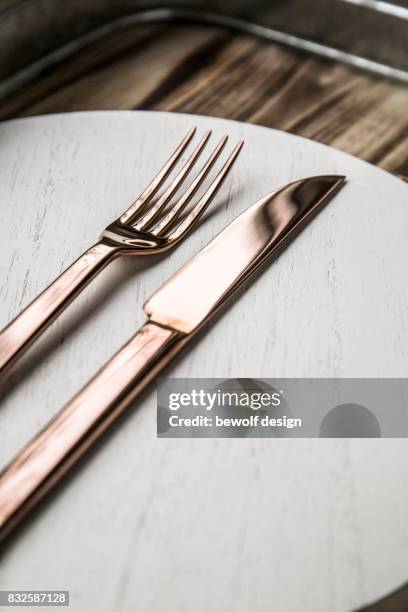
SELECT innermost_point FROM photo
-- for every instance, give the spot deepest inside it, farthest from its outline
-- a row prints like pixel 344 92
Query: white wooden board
pixel 206 525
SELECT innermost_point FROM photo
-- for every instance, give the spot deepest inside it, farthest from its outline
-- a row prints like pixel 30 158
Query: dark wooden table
pixel 212 71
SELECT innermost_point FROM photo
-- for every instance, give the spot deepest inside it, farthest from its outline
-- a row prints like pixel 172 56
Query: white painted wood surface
pixel 206 525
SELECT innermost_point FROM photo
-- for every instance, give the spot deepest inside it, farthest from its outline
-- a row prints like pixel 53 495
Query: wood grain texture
pixel 211 71
pixel 206 525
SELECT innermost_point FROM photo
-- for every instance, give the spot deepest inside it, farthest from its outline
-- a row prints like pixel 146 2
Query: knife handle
pixel 16 338
pixel 56 448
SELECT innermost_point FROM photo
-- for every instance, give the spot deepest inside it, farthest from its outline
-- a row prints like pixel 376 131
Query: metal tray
pixel 369 34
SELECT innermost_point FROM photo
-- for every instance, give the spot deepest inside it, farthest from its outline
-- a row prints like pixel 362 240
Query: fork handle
pixel 37 316
pixel 49 455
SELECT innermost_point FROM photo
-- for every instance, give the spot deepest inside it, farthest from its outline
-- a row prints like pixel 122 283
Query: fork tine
pixel 153 212
pixel 151 189
pixel 176 210
pixel 192 219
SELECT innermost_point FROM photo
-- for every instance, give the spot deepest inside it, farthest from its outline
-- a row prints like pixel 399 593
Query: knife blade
pixel 187 298
pixel 175 312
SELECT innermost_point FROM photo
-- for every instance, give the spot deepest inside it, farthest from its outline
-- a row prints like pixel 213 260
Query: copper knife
pixel 175 313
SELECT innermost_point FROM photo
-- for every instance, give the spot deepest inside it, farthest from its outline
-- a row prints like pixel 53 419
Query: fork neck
pixel 126 238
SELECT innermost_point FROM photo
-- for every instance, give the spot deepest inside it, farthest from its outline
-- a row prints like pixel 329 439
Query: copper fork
pixel 145 228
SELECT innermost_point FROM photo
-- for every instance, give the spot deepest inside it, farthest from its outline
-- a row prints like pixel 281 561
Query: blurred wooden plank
pixel 211 71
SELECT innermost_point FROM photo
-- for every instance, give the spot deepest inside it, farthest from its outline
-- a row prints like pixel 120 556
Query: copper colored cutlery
pixel 145 228
pixel 174 314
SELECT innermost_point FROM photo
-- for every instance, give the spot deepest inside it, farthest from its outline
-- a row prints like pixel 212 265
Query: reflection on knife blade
pixel 187 298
